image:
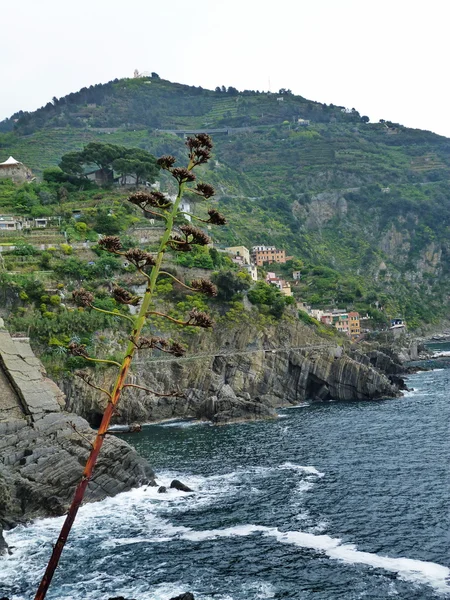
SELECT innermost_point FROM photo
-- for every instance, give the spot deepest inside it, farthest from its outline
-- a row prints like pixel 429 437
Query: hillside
pixel 366 207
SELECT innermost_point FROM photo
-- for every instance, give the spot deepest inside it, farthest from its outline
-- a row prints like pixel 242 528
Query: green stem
pixel 114 314
pixel 102 360
pixel 177 280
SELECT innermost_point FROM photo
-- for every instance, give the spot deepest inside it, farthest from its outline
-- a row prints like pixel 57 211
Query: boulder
pixel 176 484
pixel 187 596
pixel 162 489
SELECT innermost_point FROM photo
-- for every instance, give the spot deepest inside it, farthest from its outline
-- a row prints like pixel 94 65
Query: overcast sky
pixel 386 58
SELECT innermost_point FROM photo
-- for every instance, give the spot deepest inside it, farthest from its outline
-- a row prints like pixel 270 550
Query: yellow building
pixel 354 326
pixel 241 251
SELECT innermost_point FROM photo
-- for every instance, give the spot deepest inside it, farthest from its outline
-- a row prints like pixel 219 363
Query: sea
pixel 328 501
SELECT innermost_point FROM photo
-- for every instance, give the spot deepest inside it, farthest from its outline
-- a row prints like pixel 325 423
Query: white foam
pixel 308 469
pixel 417 571
pixel 143 525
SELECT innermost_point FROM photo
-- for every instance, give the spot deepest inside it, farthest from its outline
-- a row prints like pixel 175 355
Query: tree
pixel 135 162
pixel 182 239
pixel 365 119
pixel 263 294
pixel 229 283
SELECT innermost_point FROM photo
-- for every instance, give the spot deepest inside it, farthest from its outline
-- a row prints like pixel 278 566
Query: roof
pixel 10 161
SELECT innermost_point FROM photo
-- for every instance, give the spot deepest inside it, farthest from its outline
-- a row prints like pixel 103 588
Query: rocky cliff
pixel 43 448
pixel 242 372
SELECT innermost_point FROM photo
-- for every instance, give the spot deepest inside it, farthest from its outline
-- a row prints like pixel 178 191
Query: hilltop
pixel 364 206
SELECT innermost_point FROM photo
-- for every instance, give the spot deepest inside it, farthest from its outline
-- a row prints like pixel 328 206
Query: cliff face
pixel 242 373
pixel 43 449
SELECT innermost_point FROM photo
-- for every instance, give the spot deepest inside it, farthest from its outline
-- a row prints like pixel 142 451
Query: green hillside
pixel 366 207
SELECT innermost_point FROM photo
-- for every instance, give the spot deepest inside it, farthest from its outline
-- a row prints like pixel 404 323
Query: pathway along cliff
pixel 330 501
pixel 242 372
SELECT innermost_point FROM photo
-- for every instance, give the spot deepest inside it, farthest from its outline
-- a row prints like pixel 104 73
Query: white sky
pixel 386 58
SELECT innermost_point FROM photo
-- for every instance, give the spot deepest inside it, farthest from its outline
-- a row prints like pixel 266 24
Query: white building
pixel 252 271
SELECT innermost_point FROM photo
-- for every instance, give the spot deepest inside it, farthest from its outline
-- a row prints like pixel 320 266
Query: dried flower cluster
pixel 205 190
pixel 179 244
pixel 82 297
pixel 158 343
pixel 215 217
pixel 76 349
pixel 149 199
pixel 182 175
pixel 123 296
pixel 204 286
pixel 111 243
pixel 166 162
pixel 194 235
pixel 199 318
pixel 199 148
pixel 140 258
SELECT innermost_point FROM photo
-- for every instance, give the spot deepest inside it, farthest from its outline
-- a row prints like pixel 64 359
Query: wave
pixel 416 571
pixel 141 517
pixel 307 469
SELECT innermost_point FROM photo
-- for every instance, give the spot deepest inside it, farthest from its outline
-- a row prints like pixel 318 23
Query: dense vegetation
pixel 364 206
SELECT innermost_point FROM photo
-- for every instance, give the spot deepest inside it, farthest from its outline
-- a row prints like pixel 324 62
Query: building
pixel 354 324
pixel 252 271
pixel 240 251
pixel 398 327
pixel 41 222
pixel 303 122
pixel 327 318
pixel 303 306
pixel 281 284
pixel 341 322
pixel 9 223
pixel 267 254
pixel 15 170
pixel 285 288
pixel 296 275
pixel 100 176
pixel 316 313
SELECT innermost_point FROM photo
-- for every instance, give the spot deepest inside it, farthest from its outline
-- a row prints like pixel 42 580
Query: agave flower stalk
pixel 199 152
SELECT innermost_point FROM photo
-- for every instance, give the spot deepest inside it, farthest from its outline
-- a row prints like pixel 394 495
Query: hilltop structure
pixel 15 170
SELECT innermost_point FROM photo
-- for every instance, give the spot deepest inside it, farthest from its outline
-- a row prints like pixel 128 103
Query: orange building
pixel 267 254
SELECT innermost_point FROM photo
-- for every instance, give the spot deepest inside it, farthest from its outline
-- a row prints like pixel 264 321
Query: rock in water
pixel 3 544
pixel 187 596
pixel 162 489
pixel 180 486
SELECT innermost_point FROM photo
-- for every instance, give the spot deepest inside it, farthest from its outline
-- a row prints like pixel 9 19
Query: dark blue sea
pixel 340 500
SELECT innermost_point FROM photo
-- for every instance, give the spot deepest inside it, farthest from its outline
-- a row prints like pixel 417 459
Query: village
pixel 256 261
